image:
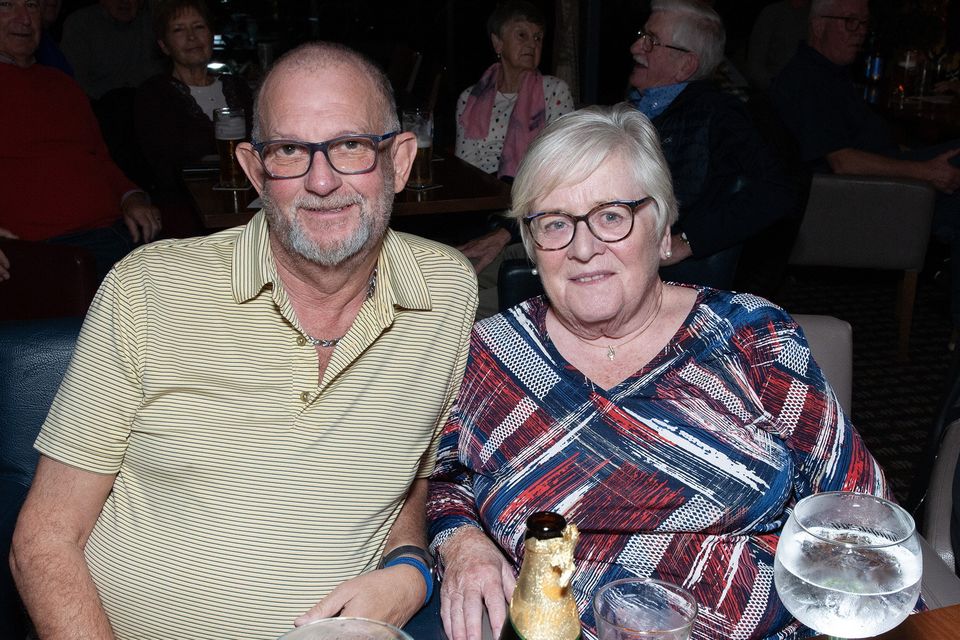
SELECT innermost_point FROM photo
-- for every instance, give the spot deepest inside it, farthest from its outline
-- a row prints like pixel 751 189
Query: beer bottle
pixel 542 606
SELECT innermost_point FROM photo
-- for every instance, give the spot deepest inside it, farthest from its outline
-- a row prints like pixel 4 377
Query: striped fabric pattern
pixel 685 471
pixel 246 487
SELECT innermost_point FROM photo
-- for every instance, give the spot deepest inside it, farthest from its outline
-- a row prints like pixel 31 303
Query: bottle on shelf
pixel 873 69
pixel 542 606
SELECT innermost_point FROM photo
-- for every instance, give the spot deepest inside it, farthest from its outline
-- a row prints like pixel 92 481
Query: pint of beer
pixel 420 122
pixel 230 129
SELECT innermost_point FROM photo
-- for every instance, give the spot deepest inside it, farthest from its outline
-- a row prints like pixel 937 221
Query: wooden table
pixel 459 187
pixel 923 121
pixel 936 624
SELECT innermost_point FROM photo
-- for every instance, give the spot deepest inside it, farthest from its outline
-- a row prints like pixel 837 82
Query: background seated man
pixel 247 424
pixel 111 47
pixel 67 189
pixel 837 131
pixel 728 183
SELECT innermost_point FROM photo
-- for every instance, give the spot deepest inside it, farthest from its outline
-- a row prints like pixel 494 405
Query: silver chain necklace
pixel 332 342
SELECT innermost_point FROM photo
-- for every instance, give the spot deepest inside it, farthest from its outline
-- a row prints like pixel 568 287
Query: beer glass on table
pixel 345 627
pixel 848 564
pixel 230 129
pixel 643 609
pixel 420 122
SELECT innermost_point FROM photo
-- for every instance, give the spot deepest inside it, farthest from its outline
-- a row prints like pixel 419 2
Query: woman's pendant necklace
pixel 612 348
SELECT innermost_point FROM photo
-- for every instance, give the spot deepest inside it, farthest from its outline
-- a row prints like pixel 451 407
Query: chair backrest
pixel 46 281
pixel 865 222
pixel 33 358
pixel 831 343
pixel 516 282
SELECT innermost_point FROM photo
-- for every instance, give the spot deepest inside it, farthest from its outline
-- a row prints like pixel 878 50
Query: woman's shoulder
pixel 742 309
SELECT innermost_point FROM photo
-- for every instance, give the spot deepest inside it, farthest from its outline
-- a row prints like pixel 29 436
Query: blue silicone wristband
pixel 418 564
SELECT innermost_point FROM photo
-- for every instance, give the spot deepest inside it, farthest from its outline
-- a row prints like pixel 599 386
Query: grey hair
pixel 316 56
pixel 573 146
pixel 818 7
pixel 699 29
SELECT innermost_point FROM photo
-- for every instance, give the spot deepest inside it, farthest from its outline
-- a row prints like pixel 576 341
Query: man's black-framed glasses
pixel 648 41
pixel 850 23
pixel 349 155
pixel 608 222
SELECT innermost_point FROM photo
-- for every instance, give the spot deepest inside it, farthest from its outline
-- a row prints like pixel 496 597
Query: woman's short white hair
pixel 573 146
pixel 698 28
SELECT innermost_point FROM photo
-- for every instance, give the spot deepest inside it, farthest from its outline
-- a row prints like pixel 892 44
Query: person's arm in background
pixel 4 260
pixel 46 555
pixel 937 171
pixel 142 218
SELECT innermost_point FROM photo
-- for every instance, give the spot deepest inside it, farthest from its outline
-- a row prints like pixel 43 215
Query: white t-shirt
pixel 209 97
pixel 485 154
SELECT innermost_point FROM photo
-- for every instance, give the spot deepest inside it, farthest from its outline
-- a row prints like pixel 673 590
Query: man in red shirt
pixel 59 182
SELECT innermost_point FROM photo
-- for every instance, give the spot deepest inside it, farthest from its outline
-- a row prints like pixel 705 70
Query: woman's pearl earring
pixel 669 254
pixel 534 271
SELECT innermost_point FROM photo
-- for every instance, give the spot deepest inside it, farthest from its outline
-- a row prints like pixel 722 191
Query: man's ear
pixel 250 162
pixel 689 63
pixel 404 152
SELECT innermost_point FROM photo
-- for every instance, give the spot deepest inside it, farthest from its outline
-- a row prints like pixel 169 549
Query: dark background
pixel 451 36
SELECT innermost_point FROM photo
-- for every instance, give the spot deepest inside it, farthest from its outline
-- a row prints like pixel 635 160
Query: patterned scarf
pixel 526 120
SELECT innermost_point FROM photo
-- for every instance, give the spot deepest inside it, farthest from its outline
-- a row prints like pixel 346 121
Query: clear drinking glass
pixel 346 629
pixel 638 608
pixel 230 129
pixel 848 564
pixel 420 123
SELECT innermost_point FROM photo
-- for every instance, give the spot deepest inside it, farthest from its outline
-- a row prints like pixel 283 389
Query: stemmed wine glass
pixel 848 564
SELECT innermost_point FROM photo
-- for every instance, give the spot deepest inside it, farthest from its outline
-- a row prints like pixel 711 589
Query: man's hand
pixel 481 251
pixel 4 260
pixel 141 217
pixel 476 575
pixel 941 174
pixel 392 595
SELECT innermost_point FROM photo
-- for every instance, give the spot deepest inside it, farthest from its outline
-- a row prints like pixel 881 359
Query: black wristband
pixel 408 550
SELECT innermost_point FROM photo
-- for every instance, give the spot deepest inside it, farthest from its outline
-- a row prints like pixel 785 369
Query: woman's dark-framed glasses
pixel 648 41
pixel 608 222
pixel 851 23
pixel 349 155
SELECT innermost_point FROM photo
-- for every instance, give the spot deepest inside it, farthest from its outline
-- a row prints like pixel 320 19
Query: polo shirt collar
pixel 400 281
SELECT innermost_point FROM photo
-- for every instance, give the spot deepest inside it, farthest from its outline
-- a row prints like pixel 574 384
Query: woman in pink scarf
pixel 498 117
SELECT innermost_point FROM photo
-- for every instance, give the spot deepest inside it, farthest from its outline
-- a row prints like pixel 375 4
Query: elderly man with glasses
pixel 729 185
pixel 836 131
pixel 242 441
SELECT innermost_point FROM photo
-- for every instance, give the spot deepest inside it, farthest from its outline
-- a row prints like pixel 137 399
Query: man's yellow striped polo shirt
pixel 245 489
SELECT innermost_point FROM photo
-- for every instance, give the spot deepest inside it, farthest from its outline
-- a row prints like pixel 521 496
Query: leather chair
pixel 869 222
pixel 33 358
pixel 46 281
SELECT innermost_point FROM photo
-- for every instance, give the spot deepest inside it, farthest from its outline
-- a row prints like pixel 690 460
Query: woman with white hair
pixel 674 424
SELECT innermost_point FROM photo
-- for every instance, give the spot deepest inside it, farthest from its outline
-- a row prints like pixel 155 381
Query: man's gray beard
pixel 374 218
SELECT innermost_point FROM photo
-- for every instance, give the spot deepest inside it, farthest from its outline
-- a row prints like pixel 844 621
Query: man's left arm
pixel 394 593
pixel 747 188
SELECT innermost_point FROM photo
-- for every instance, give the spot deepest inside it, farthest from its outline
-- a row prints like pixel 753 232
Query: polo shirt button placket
pixel 304 396
pixel 301 341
